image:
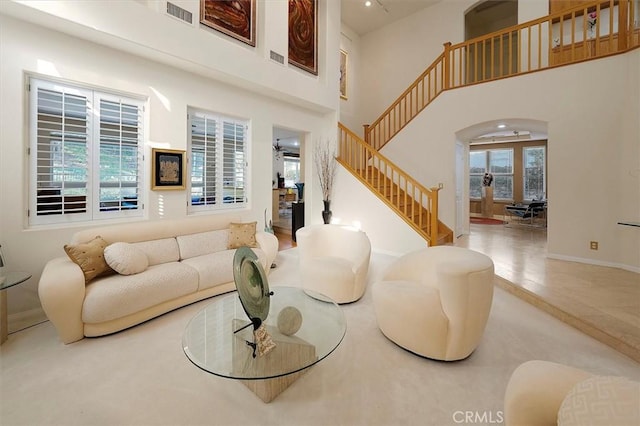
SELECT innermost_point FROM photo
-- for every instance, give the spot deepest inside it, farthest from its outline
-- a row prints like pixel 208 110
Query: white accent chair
pixel 334 261
pixel 547 393
pixel 435 302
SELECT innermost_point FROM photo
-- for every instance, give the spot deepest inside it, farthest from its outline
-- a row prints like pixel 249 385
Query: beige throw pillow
pixel 126 259
pixel 242 234
pixel 90 258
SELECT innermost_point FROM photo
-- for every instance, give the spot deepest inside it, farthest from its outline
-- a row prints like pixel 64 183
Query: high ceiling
pixel 363 19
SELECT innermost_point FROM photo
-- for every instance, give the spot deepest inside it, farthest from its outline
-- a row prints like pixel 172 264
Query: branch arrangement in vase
pixel 325 161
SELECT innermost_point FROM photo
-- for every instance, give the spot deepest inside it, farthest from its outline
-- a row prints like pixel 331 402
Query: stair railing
pixel 585 32
pixel 416 204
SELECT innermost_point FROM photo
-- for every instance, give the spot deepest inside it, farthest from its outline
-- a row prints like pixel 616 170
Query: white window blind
pixel 218 155
pixel 85 154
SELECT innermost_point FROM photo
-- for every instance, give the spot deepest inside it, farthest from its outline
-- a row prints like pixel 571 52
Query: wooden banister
pixel 528 47
pixel 416 204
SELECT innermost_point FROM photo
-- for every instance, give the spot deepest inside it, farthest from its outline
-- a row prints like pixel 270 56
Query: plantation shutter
pixel 85 154
pixel 120 136
pixel 62 127
pixel 203 161
pixel 234 162
pixel 218 148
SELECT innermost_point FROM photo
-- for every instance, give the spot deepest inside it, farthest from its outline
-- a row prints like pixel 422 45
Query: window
pixel 85 154
pixel 291 171
pixel 534 185
pixel 498 162
pixel 477 169
pixel 218 150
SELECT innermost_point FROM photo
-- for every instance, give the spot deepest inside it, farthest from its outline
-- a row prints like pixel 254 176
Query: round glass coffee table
pixel 219 339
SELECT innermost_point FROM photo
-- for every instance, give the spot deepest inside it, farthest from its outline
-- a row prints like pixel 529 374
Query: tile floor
pixel 600 301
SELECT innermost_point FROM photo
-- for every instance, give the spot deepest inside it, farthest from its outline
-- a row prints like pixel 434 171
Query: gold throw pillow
pixel 90 258
pixel 242 234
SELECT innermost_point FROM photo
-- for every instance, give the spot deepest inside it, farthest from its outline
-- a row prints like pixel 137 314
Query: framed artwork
pixel 235 18
pixel 167 169
pixel 303 34
pixel 343 74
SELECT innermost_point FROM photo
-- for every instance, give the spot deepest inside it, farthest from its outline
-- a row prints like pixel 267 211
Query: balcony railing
pixel 591 31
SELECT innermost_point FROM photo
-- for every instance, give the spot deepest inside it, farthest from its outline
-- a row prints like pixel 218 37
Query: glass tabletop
pixel 210 342
pixel 13 278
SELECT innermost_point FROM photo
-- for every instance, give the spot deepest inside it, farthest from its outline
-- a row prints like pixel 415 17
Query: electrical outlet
pixel 594 245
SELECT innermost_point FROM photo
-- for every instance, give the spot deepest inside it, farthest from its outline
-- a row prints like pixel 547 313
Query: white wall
pixel 32 49
pixel 351 205
pixel 593 150
pixel 151 33
pixel 395 55
pixel 349 108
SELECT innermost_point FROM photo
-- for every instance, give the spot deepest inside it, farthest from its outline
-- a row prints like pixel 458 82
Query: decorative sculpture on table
pixel 487 179
pixel 253 291
pixel 289 320
pixel 486 203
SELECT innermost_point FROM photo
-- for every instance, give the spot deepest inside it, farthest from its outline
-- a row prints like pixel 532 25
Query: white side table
pixel 9 280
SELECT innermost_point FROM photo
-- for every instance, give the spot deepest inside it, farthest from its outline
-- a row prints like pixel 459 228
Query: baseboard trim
pixel 629 268
pixel 25 319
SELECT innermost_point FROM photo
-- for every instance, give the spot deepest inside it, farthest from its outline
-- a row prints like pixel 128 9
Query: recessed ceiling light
pixel 367 3
pixel 501 126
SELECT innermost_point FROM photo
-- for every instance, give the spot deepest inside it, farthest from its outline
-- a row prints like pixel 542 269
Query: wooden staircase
pixel 500 54
pixel 415 204
pixel 412 212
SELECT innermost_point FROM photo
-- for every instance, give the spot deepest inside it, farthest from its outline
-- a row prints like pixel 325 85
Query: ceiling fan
pixel 277 147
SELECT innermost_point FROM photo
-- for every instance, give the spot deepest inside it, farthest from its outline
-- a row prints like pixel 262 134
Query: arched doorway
pixel 514 151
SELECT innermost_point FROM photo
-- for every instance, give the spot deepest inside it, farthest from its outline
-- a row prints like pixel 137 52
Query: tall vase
pixel 326 213
pixel 300 187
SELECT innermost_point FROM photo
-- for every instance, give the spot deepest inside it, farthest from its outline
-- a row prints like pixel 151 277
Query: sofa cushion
pixel 217 268
pixel 242 234
pixel 601 400
pixel 89 257
pixel 213 268
pixel 202 243
pixel 160 251
pixel 125 258
pixel 117 296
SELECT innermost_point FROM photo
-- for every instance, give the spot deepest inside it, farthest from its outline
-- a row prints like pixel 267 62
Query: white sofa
pixel 188 260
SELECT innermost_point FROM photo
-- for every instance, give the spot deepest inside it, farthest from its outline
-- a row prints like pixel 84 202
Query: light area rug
pixel 141 376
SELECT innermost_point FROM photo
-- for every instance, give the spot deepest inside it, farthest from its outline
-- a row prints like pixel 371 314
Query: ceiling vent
pixel 275 56
pixel 180 13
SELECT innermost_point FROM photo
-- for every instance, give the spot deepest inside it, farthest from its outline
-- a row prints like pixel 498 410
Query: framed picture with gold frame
pixel 343 74
pixel 167 169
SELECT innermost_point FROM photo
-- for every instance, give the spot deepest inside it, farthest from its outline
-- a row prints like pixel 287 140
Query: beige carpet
pixel 142 377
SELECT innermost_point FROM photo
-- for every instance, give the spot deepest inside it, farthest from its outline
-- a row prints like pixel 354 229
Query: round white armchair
pixel 334 261
pixel 435 302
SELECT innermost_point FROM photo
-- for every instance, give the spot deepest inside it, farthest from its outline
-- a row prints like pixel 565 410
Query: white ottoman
pixel 435 302
pixel 548 393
